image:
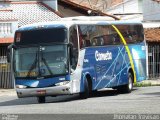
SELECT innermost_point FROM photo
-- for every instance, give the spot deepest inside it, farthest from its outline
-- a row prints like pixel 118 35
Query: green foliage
pixel 143 84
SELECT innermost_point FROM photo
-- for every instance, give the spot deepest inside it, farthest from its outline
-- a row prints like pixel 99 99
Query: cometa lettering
pixel 103 56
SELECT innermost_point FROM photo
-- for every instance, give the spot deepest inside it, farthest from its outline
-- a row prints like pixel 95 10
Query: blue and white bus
pixel 77 56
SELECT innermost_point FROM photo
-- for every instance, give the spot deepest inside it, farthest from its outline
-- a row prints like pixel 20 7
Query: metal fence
pixel 154 61
pixel 6 80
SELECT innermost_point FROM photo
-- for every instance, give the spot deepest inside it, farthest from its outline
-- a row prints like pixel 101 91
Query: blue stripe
pixel 42 82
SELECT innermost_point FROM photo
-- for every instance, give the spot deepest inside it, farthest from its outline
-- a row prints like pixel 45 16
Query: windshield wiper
pixel 33 65
pixel 46 64
pixel 36 61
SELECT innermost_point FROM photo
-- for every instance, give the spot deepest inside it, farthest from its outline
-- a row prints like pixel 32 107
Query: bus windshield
pixel 41 61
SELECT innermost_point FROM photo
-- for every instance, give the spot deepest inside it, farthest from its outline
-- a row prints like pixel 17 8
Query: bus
pixel 77 56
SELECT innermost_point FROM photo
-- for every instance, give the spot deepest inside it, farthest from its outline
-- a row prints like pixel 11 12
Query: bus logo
pixel 103 56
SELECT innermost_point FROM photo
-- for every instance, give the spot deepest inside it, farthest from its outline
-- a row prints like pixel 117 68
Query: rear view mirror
pixel 9 52
pixel 8 56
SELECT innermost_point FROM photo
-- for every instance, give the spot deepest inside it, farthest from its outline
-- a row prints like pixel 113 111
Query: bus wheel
pixel 85 94
pixel 41 99
pixel 128 88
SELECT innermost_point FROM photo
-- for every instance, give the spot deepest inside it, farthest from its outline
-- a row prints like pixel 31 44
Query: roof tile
pixel 28 13
pixel 152 34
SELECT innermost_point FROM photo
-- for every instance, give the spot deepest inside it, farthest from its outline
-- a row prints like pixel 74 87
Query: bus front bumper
pixel 47 91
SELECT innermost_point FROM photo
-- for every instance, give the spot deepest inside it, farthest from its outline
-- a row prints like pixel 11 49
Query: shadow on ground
pixel 154 93
pixel 58 99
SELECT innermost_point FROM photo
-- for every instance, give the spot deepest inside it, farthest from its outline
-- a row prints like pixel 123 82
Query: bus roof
pixel 89 18
pixel 67 22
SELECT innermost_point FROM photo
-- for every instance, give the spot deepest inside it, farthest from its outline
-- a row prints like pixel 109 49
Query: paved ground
pixel 142 104
pixel 7 92
pixel 142 100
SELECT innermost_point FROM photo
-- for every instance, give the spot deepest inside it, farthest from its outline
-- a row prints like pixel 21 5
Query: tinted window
pixel 97 35
pixel 73 38
pixel 57 35
pixel 41 61
pixel 132 33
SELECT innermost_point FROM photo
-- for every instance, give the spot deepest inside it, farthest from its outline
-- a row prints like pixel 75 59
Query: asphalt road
pixel 142 100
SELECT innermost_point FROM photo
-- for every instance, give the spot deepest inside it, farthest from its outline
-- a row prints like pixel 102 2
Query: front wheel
pixel 41 99
pixel 86 92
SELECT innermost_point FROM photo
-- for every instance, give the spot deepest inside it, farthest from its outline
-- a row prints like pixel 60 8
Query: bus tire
pixel 41 99
pixel 128 87
pixel 85 94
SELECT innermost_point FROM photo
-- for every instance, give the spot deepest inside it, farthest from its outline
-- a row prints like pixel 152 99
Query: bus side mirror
pixel 9 52
pixel 8 56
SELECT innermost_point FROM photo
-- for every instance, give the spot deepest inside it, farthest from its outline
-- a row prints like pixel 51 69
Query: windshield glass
pixel 41 61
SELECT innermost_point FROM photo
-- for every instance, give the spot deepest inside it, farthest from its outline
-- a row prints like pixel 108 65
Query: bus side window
pixel 94 41
pixel 86 35
pixel 87 41
pixel 132 33
pixel 73 38
pixel 100 41
pixel 140 32
pixel 106 40
pixel 81 41
pixel 117 39
pixel 82 35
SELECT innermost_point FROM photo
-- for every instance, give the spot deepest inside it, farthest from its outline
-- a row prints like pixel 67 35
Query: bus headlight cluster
pixel 21 86
pixel 62 83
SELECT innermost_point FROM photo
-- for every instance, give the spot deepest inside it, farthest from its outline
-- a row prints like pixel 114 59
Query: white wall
pixel 8 28
pixel 151 10
pixel 128 6
pixel 128 10
pixel 52 4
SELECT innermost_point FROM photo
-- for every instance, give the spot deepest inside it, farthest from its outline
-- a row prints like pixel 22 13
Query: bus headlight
pixel 21 86
pixel 62 83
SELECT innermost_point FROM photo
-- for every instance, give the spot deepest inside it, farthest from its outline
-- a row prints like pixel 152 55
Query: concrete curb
pixel 155 82
pixel 152 82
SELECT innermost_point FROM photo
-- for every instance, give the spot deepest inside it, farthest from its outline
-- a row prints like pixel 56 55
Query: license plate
pixel 41 92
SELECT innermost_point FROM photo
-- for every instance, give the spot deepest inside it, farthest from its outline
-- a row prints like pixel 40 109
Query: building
pixel 152 13
pixel 13 15
pixel 151 18
pixel 152 36
pixel 16 13
pixel 70 8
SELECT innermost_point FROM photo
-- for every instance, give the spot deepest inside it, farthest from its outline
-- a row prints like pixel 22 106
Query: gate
pixel 6 80
pixel 154 60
